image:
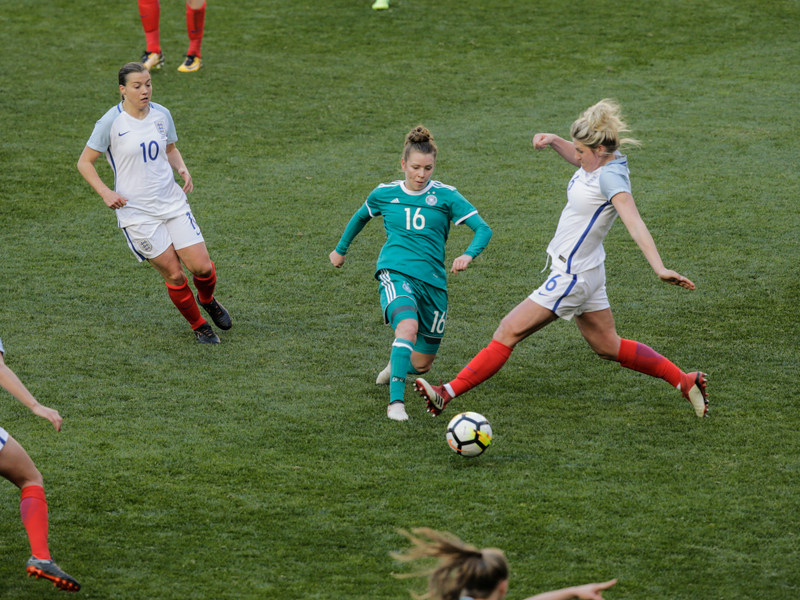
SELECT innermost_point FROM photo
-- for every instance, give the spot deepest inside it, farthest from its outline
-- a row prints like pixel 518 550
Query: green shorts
pixel 403 297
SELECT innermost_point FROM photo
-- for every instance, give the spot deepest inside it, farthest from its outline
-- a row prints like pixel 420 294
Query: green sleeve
pixel 483 233
pixel 354 227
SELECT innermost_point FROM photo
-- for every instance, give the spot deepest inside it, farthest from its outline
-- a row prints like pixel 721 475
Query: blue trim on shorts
pixel 141 257
pixel 565 294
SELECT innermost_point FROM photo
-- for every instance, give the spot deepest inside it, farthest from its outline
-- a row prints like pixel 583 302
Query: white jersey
pixel 577 245
pixel 136 149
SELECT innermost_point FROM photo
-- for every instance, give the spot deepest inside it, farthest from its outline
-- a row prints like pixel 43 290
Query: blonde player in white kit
pixel 138 138
pixel 598 191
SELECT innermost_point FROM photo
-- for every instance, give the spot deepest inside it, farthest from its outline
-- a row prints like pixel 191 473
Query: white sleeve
pixel 614 181
pixel 100 139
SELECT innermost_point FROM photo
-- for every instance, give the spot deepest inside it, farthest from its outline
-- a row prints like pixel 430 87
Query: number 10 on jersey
pixel 151 151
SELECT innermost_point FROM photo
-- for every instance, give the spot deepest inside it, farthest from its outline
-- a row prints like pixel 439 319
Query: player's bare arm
pixel 86 168
pixel 565 148
pixel 176 162
pixel 14 386
pixel 629 214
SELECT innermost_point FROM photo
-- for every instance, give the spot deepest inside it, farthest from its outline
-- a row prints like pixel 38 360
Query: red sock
pixel 205 287
pixel 149 13
pixel 636 356
pixel 183 299
pixel 33 510
pixel 485 364
pixel 195 22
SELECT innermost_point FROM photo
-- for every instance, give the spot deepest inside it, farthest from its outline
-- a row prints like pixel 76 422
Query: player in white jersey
pixel 465 572
pixel 597 192
pixel 18 468
pixel 138 138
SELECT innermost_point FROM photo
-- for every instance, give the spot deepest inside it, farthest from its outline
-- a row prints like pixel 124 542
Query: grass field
pixel 265 467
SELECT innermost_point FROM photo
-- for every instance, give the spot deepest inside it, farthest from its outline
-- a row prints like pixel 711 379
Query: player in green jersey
pixel 412 276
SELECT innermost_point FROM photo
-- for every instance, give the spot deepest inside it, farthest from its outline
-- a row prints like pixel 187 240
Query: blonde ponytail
pixel 601 125
pixel 461 568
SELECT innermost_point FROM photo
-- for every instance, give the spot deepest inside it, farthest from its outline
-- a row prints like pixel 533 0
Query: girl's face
pixel 418 169
pixel 137 90
pixel 590 158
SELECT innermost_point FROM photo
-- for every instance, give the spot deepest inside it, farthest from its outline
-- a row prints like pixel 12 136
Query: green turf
pixel 265 467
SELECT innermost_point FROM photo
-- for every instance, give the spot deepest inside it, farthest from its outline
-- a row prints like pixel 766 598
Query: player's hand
pixel 113 200
pixel 670 276
pixel 542 140
pixel 337 260
pixel 591 591
pixel 461 263
pixel 188 186
pixel 51 414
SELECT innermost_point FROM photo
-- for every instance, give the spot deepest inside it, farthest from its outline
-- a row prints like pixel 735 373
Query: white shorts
pixel 569 295
pixel 3 437
pixel 151 239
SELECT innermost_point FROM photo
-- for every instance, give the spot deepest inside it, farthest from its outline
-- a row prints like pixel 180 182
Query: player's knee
pixel 605 351
pixel 31 476
pixel 506 333
pixel 203 271
pixel 605 346
pixel 407 329
pixel 422 367
pixel 37 478
pixel 175 278
pixel 606 355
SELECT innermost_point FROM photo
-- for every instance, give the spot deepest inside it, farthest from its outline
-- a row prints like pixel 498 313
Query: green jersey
pixel 417 226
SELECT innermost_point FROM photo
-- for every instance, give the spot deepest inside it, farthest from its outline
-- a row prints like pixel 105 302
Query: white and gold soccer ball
pixel 469 434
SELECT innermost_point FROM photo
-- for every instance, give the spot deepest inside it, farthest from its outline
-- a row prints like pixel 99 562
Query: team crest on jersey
pixel 162 129
pixel 406 287
pixel 431 200
pixel 146 245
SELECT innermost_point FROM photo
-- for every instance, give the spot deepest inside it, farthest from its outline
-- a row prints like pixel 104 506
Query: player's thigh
pixel 147 240
pixel 184 230
pixel 570 294
pixel 524 319
pixel 15 464
pixel 196 259
pixel 600 331
pixel 398 301
pixel 169 265
pixel 189 243
pixel 432 305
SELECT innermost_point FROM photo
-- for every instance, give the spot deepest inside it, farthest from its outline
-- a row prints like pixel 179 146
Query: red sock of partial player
pixel 636 356
pixel 195 23
pixel 485 364
pixel 183 299
pixel 205 287
pixel 33 510
pixel 150 13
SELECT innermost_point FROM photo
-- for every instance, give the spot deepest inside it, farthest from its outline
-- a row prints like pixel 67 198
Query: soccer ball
pixel 469 434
